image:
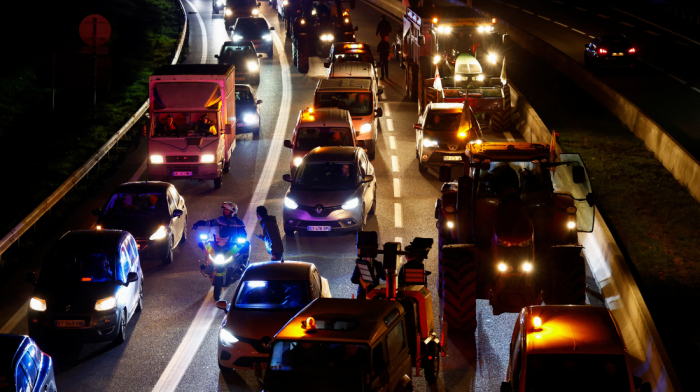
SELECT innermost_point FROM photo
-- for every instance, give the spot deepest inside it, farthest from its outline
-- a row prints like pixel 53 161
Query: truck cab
pixel 572 348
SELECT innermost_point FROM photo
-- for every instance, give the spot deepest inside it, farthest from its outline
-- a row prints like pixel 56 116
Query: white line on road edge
pixel 696 89
pixel 509 136
pixel 398 217
pixel 560 24
pixel 655 67
pixel 139 172
pixel 19 315
pixel 531 13
pixel 397 187
pixel 578 31
pixel 603 16
pixel 514 6
pixel 387 112
pixel 394 163
pixel 627 24
pixel 680 80
pixel 390 125
pixel 392 142
pixel 663 28
pixel 581 9
pixel 540 16
pixel 203 60
pixel 173 373
pixel 652 33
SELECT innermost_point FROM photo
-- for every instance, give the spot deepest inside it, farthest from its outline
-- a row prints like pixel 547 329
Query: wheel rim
pixel 122 326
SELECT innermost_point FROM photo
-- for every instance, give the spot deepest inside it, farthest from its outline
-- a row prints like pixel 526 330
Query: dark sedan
pixel 247 110
pixel 255 30
pixel 243 56
pixel 610 51
pixel 24 367
pixel 91 285
pixel 153 212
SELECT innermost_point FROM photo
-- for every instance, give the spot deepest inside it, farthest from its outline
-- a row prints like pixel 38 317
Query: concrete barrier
pixel 606 262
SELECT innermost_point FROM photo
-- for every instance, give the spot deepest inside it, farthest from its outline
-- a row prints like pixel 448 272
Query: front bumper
pixel 436 156
pixel 337 219
pixel 239 355
pixel 97 328
pixel 167 172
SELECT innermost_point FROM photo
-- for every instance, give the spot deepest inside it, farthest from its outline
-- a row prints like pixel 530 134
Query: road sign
pixel 101 50
pixel 95 30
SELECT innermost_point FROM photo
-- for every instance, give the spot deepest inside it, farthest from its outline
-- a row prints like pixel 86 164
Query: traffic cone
pixel 437 84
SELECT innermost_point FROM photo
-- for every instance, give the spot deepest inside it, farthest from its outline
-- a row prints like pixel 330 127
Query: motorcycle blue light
pixel 241 240
pixel 203 237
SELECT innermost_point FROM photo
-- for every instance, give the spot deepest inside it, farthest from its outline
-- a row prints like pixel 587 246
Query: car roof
pixel 276 270
pixel 351 69
pixel 344 84
pixel 92 239
pixel 437 106
pixel 518 151
pixel 572 329
pixel 143 186
pixel 332 154
pixel 326 117
pixel 244 87
pixel 339 47
pixel 369 315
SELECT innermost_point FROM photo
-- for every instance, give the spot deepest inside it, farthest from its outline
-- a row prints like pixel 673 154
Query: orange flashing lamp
pixel 309 324
pixel 494 20
pixel 310 109
pixel 435 20
pixel 86 279
pixel 98 227
pixel 462 134
pixel 537 322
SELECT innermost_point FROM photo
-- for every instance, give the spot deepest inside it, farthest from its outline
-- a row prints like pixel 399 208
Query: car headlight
pixel 255 11
pixel 429 143
pixel 481 29
pixel 108 303
pixel 240 240
pixel 285 2
pixel 267 37
pixel 350 204
pixel 492 58
pixel 436 59
pixel 220 259
pixel 480 78
pixel 228 12
pixel 571 224
pixel 37 304
pixel 237 37
pixel 291 204
pixel 252 66
pixel 220 2
pixel 526 266
pixel 207 158
pixel 503 267
pixel 203 237
pixel 297 161
pixel 156 159
pixel 365 128
pixel 227 337
pixel 458 78
pixel 249 118
pixel 159 234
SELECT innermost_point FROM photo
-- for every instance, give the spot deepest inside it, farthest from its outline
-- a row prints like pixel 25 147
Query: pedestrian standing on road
pixel 383 28
pixel 384 50
pixel 271 234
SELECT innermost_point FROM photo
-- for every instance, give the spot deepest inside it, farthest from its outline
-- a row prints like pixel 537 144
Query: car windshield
pixel 234 54
pixel 291 356
pixel 326 175
pixel 361 57
pixel 136 204
pixel 241 3
pixel 272 294
pixel 359 104
pixel 185 124
pixel 310 138
pixel 503 177
pixel 250 26
pixel 576 372
pixel 443 120
pixel 80 265
pixel 244 97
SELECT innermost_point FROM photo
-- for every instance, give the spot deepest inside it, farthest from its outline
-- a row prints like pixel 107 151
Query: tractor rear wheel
pixel 303 54
pixel 459 271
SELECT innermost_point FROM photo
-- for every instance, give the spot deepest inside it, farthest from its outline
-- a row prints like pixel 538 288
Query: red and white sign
pixel 95 30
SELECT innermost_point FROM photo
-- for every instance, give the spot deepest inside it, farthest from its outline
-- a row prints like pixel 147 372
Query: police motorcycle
pixel 225 258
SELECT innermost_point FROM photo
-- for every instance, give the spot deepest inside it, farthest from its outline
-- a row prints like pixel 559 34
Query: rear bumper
pixel 166 172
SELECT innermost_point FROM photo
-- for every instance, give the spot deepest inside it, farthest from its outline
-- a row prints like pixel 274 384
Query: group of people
pixel 204 126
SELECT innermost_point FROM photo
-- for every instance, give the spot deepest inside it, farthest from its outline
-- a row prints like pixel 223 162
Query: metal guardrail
pixel 31 219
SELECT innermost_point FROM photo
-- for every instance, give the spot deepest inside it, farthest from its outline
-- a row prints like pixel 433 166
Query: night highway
pixel 172 344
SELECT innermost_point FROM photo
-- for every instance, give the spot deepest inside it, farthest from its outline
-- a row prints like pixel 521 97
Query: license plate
pixel 70 323
pixel 452 158
pixel 318 228
pixel 182 173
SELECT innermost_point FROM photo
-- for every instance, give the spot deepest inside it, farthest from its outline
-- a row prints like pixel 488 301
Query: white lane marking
pixel 540 16
pixel 390 125
pixel 655 25
pixel 203 59
pixel 19 315
pixel 681 43
pixel 590 36
pixel 627 24
pixel 560 24
pixel 652 33
pixel 394 163
pixel 559 2
pixel 680 80
pixel 655 67
pixel 578 31
pixel 398 216
pixel 603 16
pixel 508 136
pixel 516 7
pixel 177 366
pixel 139 172
pixel 696 89
pixel 397 187
pixel 581 9
pixel 531 13
pixel 392 142
pixel 387 112
pixel 399 240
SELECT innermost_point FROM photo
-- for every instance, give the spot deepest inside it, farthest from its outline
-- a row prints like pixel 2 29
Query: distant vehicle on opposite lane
pixel 613 50
pixel 24 367
pixel 244 57
pixel 255 30
pixel 247 110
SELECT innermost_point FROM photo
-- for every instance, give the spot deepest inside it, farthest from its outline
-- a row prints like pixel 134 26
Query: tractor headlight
pixel 503 267
pixel 228 12
pixel 492 58
pixel 252 66
pixel 480 78
pixel 365 128
pixel 267 37
pixel 458 78
pixel 159 234
pixel 526 267
pixel 291 204
pixel 156 159
pixel 571 224
pixel 350 204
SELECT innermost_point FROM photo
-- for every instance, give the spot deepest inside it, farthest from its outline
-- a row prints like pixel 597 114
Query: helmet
pixel 231 206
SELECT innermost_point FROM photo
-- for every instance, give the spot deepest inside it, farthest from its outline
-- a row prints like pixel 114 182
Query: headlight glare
pixel 207 158
pixel 108 303
pixel 458 78
pixel 37 304
pixel 350 204
pixel 255 11
pixel 502 267
pixel 159 234
pixel 249 118
pixel 289 203
pixel 226 337
pixel 365 128
pixel 527 266
pixel 492 58
pixel 228 12
pixel 237 37
pixel 297 161
pixel 429 143
pixel 571 225
pixel 436 59
pixel 252 66
pixel 156 159
pixel 267 37
pixel 480 78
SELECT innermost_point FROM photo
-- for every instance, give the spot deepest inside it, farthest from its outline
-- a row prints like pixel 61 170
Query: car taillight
pixel 602 51
pixel 632 50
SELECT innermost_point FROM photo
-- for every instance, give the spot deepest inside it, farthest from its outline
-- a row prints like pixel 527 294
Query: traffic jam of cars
pixel 282 320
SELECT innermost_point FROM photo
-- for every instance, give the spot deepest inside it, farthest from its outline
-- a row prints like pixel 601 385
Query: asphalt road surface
pixel 172 344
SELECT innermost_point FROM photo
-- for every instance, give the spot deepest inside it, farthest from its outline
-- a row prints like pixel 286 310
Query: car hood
pixel 315 197
pixel 257 324
pixel 448 137
pixel 80 296
pixel 139 227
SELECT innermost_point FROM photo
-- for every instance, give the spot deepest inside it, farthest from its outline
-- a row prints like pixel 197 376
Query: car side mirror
pixel 506 39
pixel 272 28
pixel 177 213
pixel 258 102
pixel 30 278
pixel 579 174
pixel 356 28
pixel 216 56
pixel 380 92
pixel 228 129
pixel 287 177
pixel 367 178
pixel 445 173
pixel 222 305
pixel 288 144
pixel 260 56
pixel 417 126
pixel 96 212
pixel 380 111
pixel 132 277
pixel 327 65
pixel 506 387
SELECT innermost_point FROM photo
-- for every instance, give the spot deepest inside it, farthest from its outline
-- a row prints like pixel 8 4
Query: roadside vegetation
pixel 41 146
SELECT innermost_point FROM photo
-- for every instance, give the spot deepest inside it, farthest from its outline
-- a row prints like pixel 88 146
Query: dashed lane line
pixel 516 7
pixel 561 24
pixel 652 33
pixel 655 25
pixel 398 216
pixel 578 31
pixel 696 89
pixel 392 142
pixel 509 137
pixel 603 16
pixel 394 163
pixel 531 13
pixel 390 125
pixel 543 17
pixel 581 9
pixel 627 24
pixel 387 112
pixel 678 79
pixel 399 240
pixel 397 187
pixel 203 59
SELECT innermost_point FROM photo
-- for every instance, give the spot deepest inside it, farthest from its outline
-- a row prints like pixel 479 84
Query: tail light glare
pixel 632 50
pixel 602 51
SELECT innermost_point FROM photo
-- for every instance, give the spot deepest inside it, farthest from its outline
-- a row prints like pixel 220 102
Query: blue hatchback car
pixel 23 366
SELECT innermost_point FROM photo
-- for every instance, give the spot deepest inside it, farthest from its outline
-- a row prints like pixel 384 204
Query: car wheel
pixel 363 218
pixel 421 167
pixel 169 253
pixel 121 332
pixel 227 166
pixel 139 306
pixel 184 233
pixel 374 202
pixel 218 181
